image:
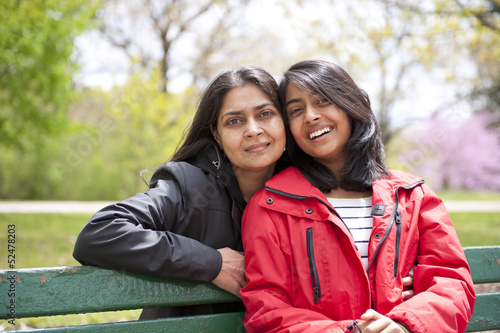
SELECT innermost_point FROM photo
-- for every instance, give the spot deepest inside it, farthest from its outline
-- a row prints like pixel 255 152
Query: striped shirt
pixel 356 214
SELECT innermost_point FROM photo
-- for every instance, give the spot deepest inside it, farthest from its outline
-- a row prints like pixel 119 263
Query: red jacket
pixel 305 274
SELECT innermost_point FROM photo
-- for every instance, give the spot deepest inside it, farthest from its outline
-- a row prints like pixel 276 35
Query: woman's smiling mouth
pixel 258 147
pixel 313 135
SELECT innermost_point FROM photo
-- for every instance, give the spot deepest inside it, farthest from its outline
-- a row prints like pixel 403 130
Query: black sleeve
pixel 138 235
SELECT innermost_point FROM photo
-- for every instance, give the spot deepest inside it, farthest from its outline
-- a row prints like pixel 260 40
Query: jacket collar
pixel 215 163
pixel 293 182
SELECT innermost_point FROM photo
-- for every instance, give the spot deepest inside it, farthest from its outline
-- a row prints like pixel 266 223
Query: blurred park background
pixel 94 91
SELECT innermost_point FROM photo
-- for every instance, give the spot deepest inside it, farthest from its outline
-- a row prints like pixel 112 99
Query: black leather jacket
pixel 174 229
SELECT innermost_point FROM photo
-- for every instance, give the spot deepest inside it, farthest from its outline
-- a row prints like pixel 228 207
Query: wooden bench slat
pixel 486 314
pixel 220 323
pixel 81 289
pixel 484 262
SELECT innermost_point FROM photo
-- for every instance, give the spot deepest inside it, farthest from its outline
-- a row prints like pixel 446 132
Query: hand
pixel 232 274
pixel 408 282
pixel 374 322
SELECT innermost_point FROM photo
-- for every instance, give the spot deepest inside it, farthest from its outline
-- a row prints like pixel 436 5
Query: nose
pixel 253 129
pixel 311 115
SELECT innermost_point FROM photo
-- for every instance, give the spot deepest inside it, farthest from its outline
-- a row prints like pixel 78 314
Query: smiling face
pixel 320 128
pixel 250 129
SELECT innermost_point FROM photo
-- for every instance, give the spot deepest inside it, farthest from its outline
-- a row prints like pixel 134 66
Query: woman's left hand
pixel 374 322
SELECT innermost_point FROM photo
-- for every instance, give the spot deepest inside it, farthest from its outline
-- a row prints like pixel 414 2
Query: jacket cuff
pixel 404 328
pixel 206 262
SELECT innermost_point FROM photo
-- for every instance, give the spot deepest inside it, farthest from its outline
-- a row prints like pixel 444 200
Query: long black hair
pixel 199 135
pixel 366 161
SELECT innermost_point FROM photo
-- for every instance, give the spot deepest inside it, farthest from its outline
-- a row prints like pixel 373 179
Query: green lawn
pixel 468 195
pixel 44 240
pixel 477 229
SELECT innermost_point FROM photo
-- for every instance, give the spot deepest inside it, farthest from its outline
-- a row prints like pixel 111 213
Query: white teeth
pixel 317 133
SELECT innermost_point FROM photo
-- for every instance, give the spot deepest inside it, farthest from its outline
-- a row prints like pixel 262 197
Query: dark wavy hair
pixel 199 136
pixel 366 161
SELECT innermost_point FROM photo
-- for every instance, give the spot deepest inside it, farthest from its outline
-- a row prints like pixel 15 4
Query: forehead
pixel 244 98
pixel 293 91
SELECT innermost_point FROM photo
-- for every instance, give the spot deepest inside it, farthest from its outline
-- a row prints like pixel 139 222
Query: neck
pixel 340 193
pixel 251 182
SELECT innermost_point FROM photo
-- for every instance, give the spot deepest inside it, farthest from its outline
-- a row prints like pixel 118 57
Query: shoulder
pixel 182 172
pixel 191 182
pixel 399 178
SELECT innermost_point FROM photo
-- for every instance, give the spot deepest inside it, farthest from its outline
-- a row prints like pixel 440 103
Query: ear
pixel 216 136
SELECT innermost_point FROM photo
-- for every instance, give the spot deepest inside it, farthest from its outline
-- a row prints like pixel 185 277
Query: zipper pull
pixel 317 294
pixel 398 217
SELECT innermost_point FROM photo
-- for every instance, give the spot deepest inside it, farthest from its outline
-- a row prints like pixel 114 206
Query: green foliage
pixel 35 67
pixel 148 124
pixel 115 136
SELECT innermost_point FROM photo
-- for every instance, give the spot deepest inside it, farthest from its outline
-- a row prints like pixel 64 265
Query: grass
pixel 45 240
pixel 477 229
pixel 469 195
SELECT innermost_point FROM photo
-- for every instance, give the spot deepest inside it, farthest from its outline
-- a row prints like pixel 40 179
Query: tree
pixel 473 28
pixel 147 31
pixel 36 67
pixel 454 153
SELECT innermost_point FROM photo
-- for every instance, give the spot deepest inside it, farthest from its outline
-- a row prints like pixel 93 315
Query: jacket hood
pixel 211 161
pixel 215 163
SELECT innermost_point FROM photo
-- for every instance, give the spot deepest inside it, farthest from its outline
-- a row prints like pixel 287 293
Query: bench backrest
pixel 68 290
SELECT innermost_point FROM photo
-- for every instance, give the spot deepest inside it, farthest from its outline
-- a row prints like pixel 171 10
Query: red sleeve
pixel 443 284
pixel 267 296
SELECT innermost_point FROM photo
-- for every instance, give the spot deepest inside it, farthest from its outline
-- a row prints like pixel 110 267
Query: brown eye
pixel 266 113
pixel 233 121
pixel 294 111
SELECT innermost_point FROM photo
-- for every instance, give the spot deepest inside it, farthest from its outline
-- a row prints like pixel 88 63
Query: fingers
pixel 232 274
pixel 408 281
pixel 375 322
pixel 371 314
pixel 407 294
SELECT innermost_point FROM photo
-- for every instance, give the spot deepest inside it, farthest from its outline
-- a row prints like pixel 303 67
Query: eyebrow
pixel 237 112
pixel 295 100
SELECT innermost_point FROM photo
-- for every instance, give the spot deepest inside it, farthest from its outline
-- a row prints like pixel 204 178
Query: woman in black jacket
pixel 187 224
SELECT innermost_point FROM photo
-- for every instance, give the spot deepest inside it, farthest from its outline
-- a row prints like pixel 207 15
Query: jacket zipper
pixel 398 236
pixel 312 265
pixel 395 217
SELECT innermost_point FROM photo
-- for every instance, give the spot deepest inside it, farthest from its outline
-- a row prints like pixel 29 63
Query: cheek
pixel 227 141
pixel 279 130
pixel 294 129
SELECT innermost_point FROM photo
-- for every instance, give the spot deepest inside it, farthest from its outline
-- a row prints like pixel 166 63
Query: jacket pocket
pixel 312 265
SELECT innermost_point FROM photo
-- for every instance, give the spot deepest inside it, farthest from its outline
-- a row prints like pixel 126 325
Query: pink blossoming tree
pixel 451 155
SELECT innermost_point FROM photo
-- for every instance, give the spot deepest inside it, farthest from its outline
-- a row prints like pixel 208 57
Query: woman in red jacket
pixel 328 242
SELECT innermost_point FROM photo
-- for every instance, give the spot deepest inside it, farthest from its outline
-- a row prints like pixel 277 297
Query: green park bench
pixel 69 290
